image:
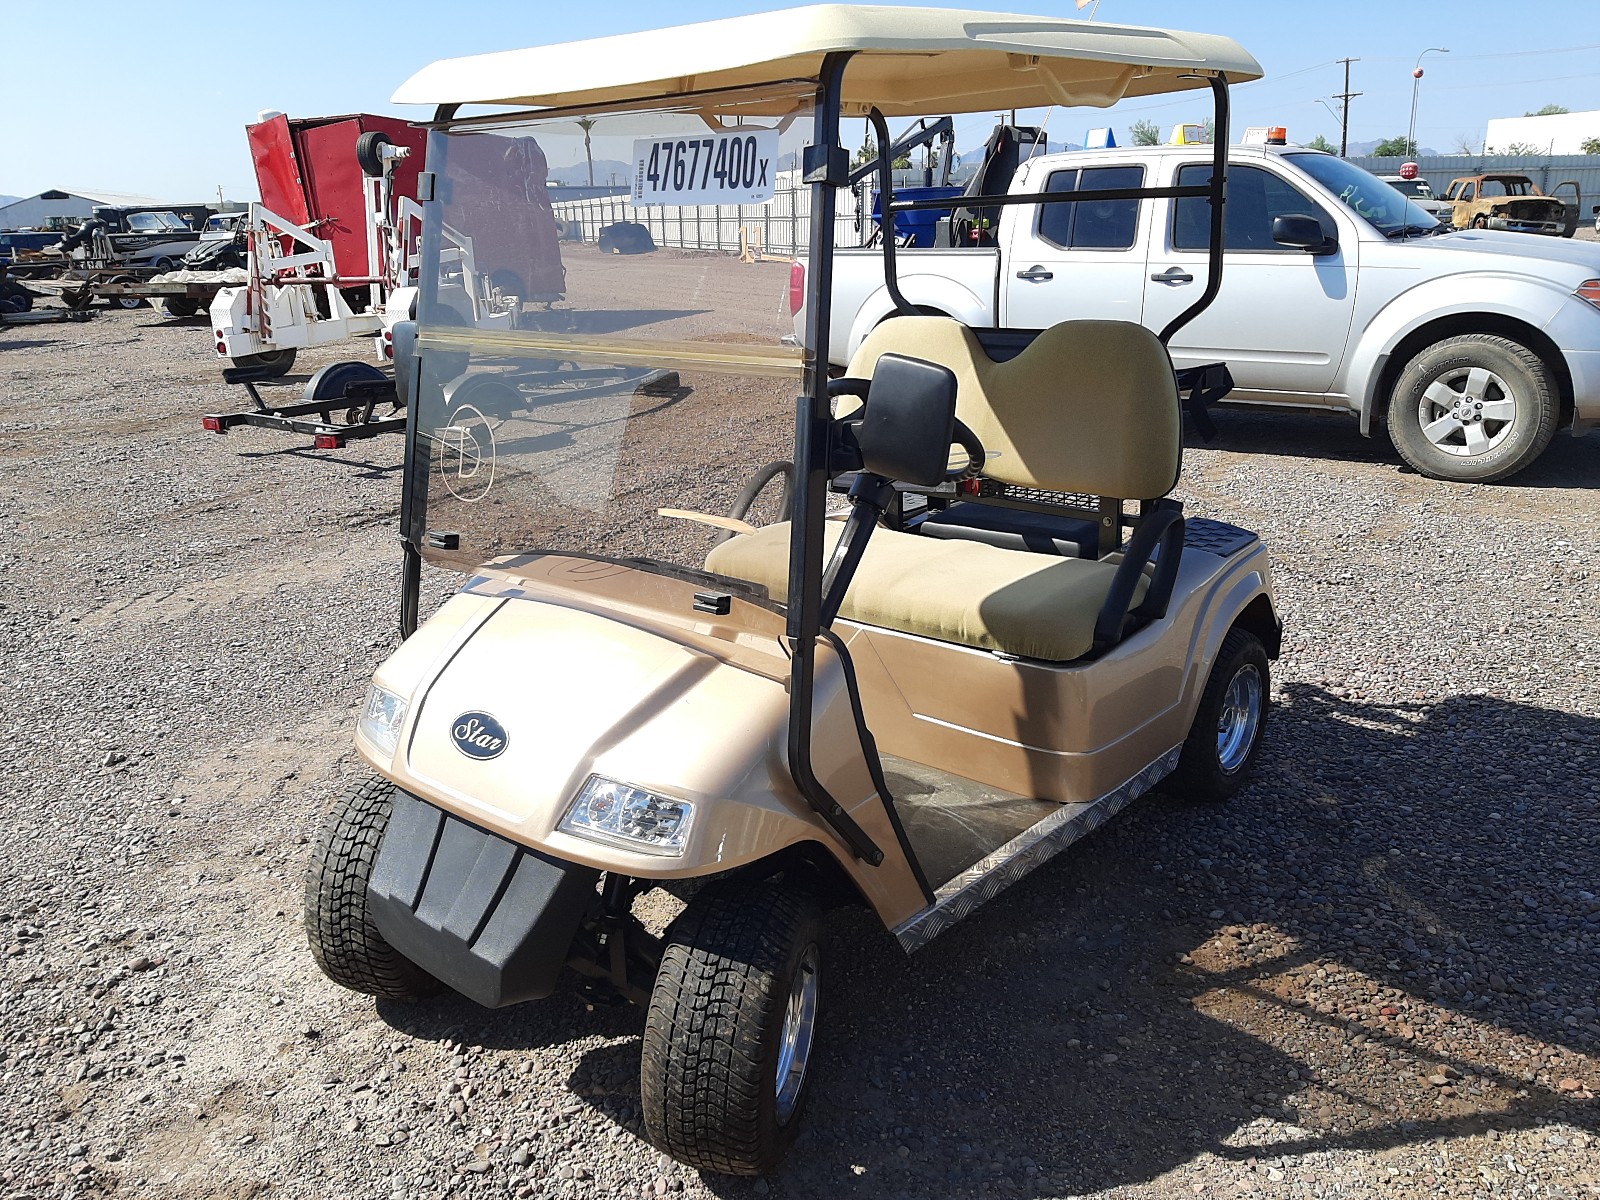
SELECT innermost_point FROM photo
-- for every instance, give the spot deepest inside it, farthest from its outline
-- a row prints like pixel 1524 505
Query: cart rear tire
pixel 181 306
pixel 731 1027
pixel 1225 739
pixel 343 939
pixel 279 362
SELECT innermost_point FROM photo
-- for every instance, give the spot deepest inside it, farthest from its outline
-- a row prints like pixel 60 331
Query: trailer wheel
pixel 127 303
pixel 731 1027
pixel 1225 738
pixel 369 153
pixel 343 939
pixel 15 298
pixel 329 384
pixel 279 362
pixel 181 306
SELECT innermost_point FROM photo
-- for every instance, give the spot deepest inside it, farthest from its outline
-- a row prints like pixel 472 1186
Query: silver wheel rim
pixel 1467 411
pixel 799 1025
pixel 1239 719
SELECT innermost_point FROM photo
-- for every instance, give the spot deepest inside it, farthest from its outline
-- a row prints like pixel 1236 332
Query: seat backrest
pixel 1088 406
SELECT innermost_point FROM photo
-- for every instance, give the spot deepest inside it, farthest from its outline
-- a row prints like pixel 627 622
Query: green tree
pixel 1321 143
pixel 1145 133
pixel 1590 145
pixel 1396 147
pixel 869 153
pixel 1549 110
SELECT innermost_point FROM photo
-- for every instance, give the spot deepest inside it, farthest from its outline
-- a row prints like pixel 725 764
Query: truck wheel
pixel 181 306
pixel 731 1027
pixel 1473 408
pixel 278 361
pixel 344 941
pixel 1226 735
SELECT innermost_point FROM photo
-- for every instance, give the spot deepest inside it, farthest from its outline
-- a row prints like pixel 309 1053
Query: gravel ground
pixel 1374 973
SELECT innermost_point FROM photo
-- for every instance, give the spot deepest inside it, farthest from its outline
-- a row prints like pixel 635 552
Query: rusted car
pixel 1512 202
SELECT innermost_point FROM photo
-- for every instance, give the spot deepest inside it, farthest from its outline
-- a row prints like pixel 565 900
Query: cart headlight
pixel 1589 290
pixel 628 816
pixel 382 718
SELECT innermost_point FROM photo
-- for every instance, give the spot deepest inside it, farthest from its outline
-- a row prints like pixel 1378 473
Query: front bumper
pixel 1547 228
pixel 488 917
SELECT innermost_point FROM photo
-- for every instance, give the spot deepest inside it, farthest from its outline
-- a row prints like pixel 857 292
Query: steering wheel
pixel 963 436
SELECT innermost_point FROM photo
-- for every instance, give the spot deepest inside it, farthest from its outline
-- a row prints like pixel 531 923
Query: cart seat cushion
pixel 1088 406
pixel 1032 605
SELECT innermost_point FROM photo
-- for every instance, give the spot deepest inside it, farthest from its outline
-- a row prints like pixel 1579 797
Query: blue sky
pixel 119 98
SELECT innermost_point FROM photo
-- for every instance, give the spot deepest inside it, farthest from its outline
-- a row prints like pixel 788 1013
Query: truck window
pixel 1095 224
pixel 1255 198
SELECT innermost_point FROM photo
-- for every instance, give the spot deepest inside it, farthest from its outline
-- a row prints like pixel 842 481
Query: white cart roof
pixel 909 61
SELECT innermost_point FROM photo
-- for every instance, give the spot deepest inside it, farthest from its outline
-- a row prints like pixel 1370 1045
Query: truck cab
pixel 1336 286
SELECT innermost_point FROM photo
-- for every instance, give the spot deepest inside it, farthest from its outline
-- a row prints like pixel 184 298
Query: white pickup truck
pixel 1474 346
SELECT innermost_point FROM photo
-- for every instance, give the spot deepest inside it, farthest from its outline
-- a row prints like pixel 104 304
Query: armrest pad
pixel 1161 528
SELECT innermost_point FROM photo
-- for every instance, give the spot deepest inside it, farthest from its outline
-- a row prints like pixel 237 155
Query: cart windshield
pixel 602 310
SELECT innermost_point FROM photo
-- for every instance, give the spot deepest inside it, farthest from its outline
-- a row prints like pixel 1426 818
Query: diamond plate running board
pixel 998 870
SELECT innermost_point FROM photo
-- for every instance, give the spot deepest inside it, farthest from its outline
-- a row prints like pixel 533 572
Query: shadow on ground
pixel 1144 998
pixel 1569 462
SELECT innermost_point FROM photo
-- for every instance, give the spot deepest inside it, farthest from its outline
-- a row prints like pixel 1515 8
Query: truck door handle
pixel 1173 275
pixel 1036 274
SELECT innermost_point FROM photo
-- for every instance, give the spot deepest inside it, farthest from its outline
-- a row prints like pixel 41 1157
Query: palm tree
pixel 586 124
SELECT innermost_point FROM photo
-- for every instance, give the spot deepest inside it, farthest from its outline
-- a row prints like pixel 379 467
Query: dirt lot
pixel 1373 974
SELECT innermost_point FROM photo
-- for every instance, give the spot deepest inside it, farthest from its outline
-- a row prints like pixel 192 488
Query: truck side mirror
pixel 1303 233
pixel 911 414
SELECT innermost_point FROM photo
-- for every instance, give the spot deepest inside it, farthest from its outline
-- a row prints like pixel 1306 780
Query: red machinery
pixel 307 170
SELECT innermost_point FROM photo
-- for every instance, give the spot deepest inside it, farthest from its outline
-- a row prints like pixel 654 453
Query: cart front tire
pixel 731 1028
pixel 344 941
pixel 279 362
pixel 1225 738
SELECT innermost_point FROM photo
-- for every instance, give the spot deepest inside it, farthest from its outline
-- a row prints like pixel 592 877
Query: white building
pixel 1559 133
pixel 34 211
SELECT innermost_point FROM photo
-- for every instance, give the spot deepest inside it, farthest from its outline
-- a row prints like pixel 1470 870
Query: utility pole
pixel 1347 95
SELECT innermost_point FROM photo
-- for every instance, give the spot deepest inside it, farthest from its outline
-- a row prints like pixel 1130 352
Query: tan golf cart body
pixel 975 707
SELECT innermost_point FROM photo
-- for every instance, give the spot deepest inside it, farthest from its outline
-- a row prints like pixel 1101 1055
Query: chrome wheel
pixel 799 1024
pixel 1239 719
pixel 1467 411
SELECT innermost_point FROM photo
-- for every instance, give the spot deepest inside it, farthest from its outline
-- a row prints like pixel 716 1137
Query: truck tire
pixel 279 362
pixel 1225 738
pixel 181 306
pixel 1473 408
pixel 731 1027
pixel 343 939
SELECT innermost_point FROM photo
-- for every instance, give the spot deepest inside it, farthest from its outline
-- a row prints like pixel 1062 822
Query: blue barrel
pixel 916 228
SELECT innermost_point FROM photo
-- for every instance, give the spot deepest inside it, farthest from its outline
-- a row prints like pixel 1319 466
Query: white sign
pixel 734 166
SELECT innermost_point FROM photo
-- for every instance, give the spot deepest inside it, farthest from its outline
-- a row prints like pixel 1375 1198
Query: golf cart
pixel 747 657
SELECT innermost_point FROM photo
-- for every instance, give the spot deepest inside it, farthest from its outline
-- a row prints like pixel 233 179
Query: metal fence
pixel 780 226
pixel 1545 170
